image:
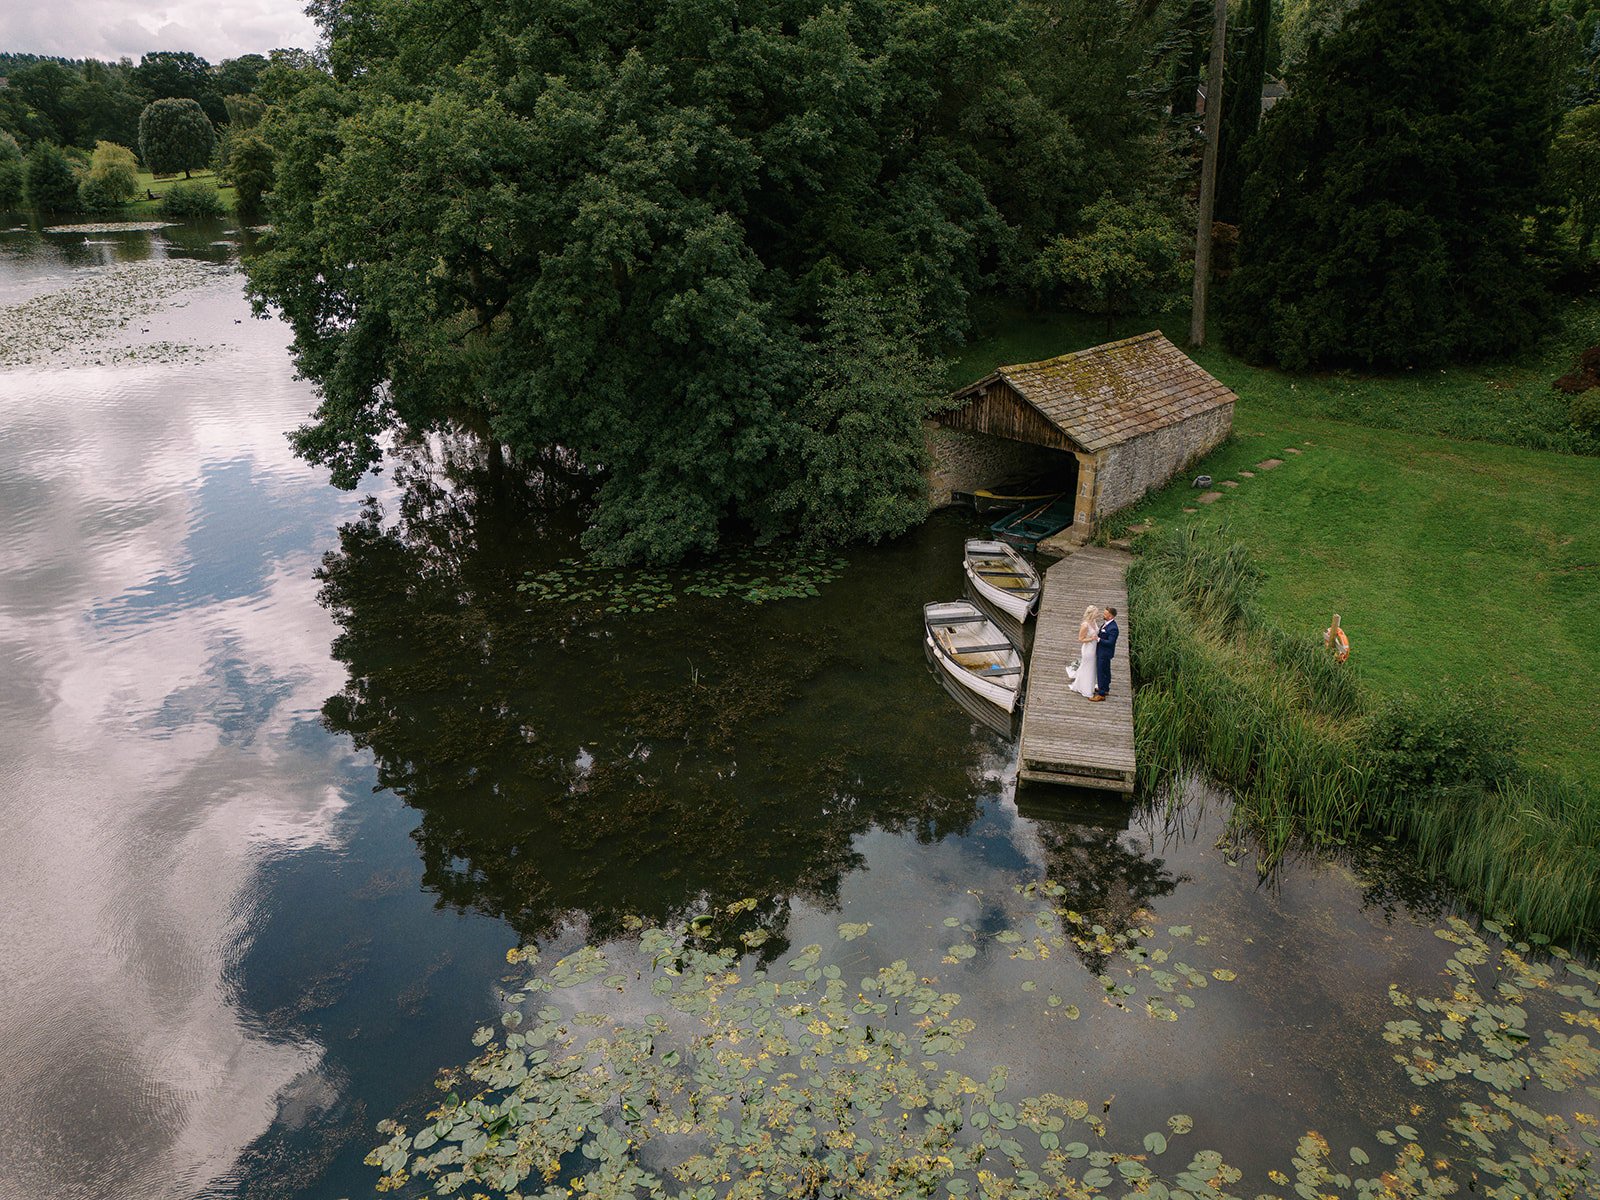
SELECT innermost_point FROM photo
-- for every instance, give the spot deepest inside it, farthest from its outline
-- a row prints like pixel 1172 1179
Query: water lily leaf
pixel 849 931
pixel 1155 1143
pixel 1180 1123
pixel 1359 1156
pixel 1223 975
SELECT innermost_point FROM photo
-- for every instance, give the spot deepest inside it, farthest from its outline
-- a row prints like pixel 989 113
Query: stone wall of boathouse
pixel 1125 472
pixel 964 462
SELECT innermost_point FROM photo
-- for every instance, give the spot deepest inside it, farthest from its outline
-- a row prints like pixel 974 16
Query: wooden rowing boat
pixel 970 649
pixel 1030 526
pixel 1002 577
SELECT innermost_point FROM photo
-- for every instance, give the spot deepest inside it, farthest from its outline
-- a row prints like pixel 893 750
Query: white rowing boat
pixel 971 650
pixel 1002 577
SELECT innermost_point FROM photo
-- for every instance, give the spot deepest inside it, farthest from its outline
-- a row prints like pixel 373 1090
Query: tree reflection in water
pixel 1107 879
pixel 572 765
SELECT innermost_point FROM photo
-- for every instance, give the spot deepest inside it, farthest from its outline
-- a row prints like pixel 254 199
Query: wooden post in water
pixel 1208 177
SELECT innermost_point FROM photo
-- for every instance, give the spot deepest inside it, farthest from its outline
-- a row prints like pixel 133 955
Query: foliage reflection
pixel 572 765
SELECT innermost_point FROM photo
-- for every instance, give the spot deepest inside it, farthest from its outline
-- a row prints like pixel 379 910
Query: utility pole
pixel 1208 176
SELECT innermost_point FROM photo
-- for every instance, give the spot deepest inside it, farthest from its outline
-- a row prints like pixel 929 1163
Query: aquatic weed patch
pixel 757 577
pixel 819 1078
pixel 110 227
pixel 71 326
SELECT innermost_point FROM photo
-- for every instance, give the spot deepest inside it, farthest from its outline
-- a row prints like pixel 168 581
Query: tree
pixel 1127 258
pixel 1216 70
pixel 1384 218
pixel 48 179
pixel 175 135
pixel 1241 109
pixel 250 162
pixel 1575 170
pixel 240 76
pixel 103 107
pixel 45 88
pixel 621 231
pixel 112 179
pixel 10 172
pixel 180 75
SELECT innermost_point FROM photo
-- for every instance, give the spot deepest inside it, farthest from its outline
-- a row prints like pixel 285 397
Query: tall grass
pixel 1309 754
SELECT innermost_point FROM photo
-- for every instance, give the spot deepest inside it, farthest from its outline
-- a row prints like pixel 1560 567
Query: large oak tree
pixel 704 246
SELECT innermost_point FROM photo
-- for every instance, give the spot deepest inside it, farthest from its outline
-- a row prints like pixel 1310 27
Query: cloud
pixel 110 29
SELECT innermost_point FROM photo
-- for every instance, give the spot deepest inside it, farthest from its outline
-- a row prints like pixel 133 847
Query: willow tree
pixel 704 248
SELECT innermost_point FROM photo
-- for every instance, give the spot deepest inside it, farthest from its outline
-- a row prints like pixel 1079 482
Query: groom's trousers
pixel 1102 673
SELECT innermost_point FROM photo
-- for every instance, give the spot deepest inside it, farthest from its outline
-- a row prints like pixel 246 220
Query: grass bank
pixel 1454 561
pixel 149 183
pixel 1307 750
pixel 1453 564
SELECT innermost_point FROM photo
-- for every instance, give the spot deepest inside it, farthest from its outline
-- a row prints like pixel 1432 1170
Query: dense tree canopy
pixel 1575 169
pixel 1125 258
pixel 78 102
pixel 175 135
pixel 10 172
pixel 1385 221
pixel 48 179
pixel 674 239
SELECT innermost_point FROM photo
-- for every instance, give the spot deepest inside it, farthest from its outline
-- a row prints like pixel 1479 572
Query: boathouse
pixel 1106 424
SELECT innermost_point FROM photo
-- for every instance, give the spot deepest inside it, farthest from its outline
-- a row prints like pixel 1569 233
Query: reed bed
pixel 1310 754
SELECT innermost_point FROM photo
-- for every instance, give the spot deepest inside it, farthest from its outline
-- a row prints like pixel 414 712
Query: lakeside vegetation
pixel 1309 752
pixel 1448 515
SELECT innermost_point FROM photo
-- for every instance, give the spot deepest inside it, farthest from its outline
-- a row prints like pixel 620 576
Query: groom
pixel 1103 650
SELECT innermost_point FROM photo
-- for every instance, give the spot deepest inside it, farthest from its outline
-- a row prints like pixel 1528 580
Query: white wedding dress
pixel 1082 675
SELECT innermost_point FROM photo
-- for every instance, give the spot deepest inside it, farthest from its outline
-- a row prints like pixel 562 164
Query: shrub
pixel 97 195
pixel 1423 746
pixel 191 200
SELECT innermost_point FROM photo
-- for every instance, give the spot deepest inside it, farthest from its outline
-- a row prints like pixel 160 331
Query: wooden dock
pixel 1066 738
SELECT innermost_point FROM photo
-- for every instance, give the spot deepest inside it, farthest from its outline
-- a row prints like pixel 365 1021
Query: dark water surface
pixel 285 770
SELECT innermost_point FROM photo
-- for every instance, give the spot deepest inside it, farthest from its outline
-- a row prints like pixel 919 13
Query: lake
pixel 284 772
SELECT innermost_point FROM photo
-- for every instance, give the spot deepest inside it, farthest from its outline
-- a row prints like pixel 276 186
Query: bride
pixel 1082 675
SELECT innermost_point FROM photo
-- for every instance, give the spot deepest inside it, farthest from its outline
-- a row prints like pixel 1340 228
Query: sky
pixel 110 29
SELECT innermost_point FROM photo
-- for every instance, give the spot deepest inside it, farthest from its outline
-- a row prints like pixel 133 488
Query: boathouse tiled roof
pixel 1111 394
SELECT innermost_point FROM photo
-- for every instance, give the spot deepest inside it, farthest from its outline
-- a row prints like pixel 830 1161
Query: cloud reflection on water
pixel 161 656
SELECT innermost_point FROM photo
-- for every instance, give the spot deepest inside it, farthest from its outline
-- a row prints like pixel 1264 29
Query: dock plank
pixel 1065 738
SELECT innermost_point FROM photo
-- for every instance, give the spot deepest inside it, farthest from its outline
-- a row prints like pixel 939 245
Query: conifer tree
pixel 1383 218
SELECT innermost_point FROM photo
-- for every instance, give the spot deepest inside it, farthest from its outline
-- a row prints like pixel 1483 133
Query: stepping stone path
pixel 1210 497
pixel 1230 483
pixel 1269 464
pixel 1191 510
pixel 1247 474
pixel 1292 450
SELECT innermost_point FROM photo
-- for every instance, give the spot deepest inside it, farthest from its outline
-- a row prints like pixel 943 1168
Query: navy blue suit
pixel 1104 649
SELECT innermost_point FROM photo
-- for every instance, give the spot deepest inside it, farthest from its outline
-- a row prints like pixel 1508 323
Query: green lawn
pixel 1450 560
pixel 148 182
